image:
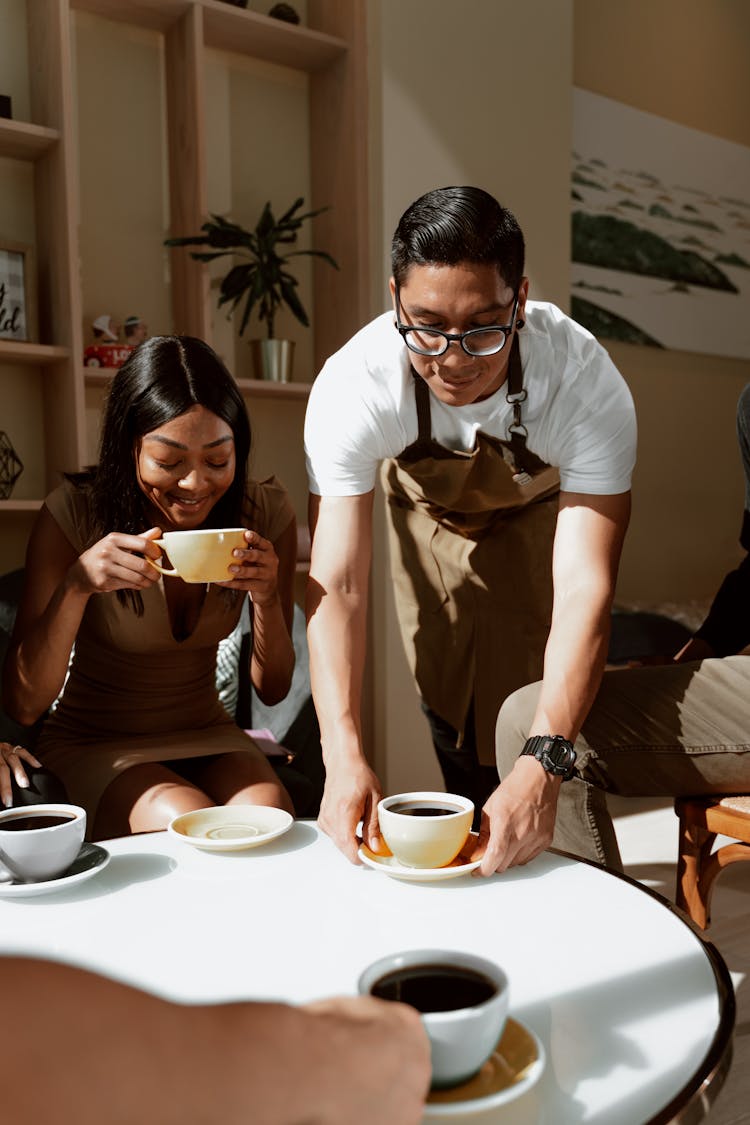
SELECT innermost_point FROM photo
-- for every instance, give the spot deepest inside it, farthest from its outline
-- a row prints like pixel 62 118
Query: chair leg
pixel 692 894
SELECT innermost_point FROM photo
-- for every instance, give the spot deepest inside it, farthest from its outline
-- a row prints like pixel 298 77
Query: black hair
pixel 458 224
pixel 163 378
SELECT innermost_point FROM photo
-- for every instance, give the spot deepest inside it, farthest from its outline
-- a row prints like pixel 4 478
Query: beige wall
pixel 686 61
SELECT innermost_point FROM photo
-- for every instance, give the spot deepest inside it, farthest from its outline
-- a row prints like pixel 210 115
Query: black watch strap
pixel 553 752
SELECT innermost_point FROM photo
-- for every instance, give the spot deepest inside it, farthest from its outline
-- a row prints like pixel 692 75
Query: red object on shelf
pixel 106 355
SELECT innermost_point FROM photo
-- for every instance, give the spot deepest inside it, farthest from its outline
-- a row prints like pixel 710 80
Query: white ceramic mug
pixel 200 556
pixel 462 1000
pixel 425 829
pixel 34 853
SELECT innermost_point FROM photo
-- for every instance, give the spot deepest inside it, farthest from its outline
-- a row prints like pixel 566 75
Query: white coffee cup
pixel 425 829
pixel 462 1000
pixel 33 852
pixel 204 555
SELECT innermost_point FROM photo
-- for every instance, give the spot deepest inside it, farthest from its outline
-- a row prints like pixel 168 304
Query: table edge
pixel 692 1102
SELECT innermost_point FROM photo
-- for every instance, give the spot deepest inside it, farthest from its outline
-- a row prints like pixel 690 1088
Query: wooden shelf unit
pixel 331 51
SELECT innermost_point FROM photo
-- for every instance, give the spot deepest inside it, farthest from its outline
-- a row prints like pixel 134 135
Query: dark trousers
pixel 461 768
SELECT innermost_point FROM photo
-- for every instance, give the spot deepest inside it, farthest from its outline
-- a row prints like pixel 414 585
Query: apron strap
pixel 515 396
pixel 424 423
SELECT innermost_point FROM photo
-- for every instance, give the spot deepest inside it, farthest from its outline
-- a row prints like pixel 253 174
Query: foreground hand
pixel 10 763
pixel 383 1070
pixel 518 820
pixel 116 562
pixel 351 794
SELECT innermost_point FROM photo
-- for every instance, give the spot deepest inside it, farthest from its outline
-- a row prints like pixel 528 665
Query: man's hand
pixel 384 1056
pixel 518 820
pixel 351 794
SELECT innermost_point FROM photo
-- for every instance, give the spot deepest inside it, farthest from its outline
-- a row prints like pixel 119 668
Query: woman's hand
pixel 117 562
pixel 10 763
pixel 256 569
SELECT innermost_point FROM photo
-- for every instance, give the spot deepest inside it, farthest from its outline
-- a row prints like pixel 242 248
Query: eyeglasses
pixel 476 342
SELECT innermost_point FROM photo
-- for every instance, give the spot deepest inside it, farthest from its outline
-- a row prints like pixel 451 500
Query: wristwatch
pixel 553 752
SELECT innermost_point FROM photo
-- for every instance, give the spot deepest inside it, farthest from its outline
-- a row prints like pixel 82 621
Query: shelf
pixel 260 388
pixel 37 355
pixel 23 141
pixel 262 37
pixel 228 28
pixel 255 388
pixel 20 505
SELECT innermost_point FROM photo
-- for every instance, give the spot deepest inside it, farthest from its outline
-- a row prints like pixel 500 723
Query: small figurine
pixel 136 330
pixel 106 350
pixel 284 12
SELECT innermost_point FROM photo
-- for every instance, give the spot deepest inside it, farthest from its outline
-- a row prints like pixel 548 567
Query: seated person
pixel 675 730
pixel 139 735
pixel 338 1061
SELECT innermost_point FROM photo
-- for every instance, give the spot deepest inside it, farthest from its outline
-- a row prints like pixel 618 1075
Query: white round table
pixel 634 1010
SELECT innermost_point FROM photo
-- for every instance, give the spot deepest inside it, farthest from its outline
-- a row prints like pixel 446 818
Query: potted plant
pixel 262 278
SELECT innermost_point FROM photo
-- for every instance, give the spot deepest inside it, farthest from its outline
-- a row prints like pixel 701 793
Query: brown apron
pixel 471 549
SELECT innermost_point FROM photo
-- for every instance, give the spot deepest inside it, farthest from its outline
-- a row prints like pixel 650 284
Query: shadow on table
pixel 121 871
pixel 581 1043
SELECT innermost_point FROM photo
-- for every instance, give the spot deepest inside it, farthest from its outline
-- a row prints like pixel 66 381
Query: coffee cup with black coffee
pixel 40 842
pixel 462 999
pixel 425 829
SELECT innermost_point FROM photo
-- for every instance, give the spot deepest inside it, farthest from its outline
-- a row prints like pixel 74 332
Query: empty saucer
pixel 90 860
pixel 231 828
pixel 513 1068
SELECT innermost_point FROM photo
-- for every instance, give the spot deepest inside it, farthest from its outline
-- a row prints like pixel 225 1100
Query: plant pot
pixel 272 359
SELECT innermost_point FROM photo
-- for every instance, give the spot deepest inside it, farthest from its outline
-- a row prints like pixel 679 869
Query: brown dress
pixel 135 693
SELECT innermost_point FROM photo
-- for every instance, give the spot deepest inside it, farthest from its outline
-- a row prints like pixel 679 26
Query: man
pixel 77 1047
pixel 505 432
pixel 676 730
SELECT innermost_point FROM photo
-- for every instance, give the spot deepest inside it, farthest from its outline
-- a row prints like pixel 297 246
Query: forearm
pixel 337 643
pixel 37 660
pixel 158 1061
pixel 574 662
pixel 272 657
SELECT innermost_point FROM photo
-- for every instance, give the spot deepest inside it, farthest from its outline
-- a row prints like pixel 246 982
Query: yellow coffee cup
pixel 204 555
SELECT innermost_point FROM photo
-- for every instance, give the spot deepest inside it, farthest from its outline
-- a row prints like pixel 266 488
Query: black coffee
pixel 422 808
pixel 26 821
pixel 435 988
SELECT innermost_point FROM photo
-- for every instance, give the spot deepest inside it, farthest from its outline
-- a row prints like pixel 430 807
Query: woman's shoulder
pixel 268 507
pixel 69 506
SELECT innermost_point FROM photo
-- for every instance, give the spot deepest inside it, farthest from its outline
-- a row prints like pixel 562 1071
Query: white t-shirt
pixel 579 412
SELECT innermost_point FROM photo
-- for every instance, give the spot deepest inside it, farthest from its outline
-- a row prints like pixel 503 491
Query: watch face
pixel 561 755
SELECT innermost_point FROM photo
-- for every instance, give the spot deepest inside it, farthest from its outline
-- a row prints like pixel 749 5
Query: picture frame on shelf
pixel 18 318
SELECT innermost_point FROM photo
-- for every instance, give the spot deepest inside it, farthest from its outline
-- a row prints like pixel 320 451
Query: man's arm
pixel 336 605
pixel 334 1062
pixel 519 817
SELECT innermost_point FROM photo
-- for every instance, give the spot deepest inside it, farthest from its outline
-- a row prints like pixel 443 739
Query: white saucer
pixel 90 860
pixel 513 1068
pixel 389 865
pixel 230 828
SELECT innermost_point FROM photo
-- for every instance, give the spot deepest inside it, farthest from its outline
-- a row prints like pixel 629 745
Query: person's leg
pixel 669 731
pixel 145 798
pixel 240 777
pixel 460 766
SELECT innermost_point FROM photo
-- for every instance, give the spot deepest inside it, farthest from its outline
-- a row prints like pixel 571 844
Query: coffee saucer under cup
pixel 389 865
pixel 514 1067
pixel 90 860
pixel 230 828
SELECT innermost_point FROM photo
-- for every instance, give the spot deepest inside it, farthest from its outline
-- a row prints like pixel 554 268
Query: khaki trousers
pixel 668 731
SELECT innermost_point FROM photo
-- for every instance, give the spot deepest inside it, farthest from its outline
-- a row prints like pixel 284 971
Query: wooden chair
pixel 701 820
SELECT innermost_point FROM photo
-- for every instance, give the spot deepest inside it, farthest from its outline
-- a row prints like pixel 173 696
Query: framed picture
pixel 17 292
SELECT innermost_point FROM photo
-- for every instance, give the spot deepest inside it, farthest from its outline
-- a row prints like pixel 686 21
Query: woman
pixel 139 734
